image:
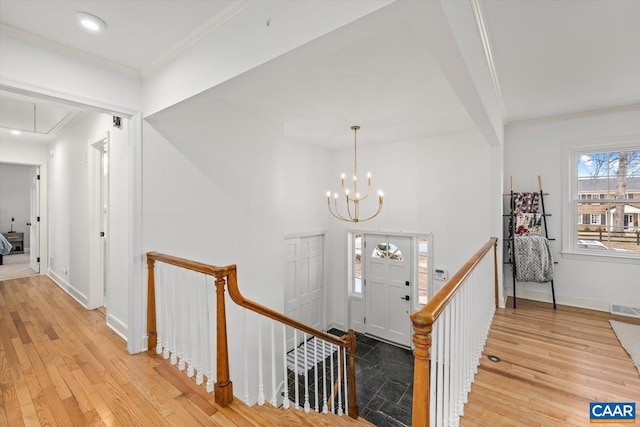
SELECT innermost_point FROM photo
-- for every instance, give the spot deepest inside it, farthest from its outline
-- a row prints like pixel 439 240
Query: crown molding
pixel 209 26
pixel 66 50
pixel 488 54
pixel 570 116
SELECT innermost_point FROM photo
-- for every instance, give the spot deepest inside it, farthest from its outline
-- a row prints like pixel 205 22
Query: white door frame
pixel 136 329
pixel 34 219
pixel 98 242
pixel 361 299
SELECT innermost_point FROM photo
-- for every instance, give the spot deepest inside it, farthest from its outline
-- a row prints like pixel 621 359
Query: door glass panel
pixel 388 251
pixel 357 263
pixel 423 271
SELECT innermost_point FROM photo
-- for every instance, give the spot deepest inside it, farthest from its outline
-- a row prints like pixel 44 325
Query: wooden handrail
pixel 423 321
pixel 437 304
pixel 228 275
pixel 229 271
pixel 239 299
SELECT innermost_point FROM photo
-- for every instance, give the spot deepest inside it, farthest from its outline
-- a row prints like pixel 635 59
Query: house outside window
pixel 605 188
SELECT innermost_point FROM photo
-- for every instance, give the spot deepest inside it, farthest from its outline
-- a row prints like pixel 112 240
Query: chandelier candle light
pixel 353 213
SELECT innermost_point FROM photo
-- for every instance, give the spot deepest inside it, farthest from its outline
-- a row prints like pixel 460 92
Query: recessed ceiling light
pixel 15 132
pixel 90 22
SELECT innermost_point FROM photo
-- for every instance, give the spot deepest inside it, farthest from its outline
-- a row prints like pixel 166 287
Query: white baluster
pixel 191 313
pixel 211 319
pixel 159 306
pixel 306 376
pixel 201 330
pixel 340 369
pixel 447 364
pixel 167 311
pixel 435 374
pixel 346 389
pixel 260 372
pixel 245 346
pixel 315 370
pixel 456 348
pixel 285 399
pixel 174 315
pixel 182 315
pixel 295 367
pixel 333 398
pixel 324 377
pixel 274 400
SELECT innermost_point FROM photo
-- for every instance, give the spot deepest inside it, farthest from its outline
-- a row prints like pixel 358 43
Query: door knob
pixel 406 297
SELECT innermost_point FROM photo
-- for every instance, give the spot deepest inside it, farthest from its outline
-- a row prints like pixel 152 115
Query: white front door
pixel 388 287
pixel 34 220
pixel 303 280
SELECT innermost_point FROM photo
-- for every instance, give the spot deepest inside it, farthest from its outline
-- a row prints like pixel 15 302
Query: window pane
pixel 609 225
pixel 612 227
pixel 357 263
pixel 387 250
pixel 423 271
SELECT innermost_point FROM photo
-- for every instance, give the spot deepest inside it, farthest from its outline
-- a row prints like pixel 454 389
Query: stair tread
pixel 297 417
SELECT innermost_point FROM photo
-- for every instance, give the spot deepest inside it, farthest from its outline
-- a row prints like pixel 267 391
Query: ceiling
pixel 550 58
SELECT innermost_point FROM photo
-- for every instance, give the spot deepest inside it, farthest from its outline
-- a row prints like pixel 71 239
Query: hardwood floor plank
pixel 61 365
pixel 11 405
pixel 553 363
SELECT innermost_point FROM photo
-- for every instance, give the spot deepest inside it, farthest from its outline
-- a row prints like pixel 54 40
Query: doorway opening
pixel 98 154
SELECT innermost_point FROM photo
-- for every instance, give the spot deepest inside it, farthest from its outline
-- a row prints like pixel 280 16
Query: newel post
pixel 151 306
pixel 422 342
pixel 223 386
pixel 354 412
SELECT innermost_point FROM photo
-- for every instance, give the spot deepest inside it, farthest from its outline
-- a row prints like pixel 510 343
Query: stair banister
pixel 228 276
pixel 423 321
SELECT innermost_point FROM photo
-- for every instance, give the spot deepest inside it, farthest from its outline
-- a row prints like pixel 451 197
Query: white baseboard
pixel 545 296
pixel 66 286
pixel 145 343
pixel 337 325
pixel 117 326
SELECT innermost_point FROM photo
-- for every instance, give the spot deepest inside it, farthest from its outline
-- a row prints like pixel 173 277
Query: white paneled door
pixel 387 287
pixel 304 281
pixel 34 220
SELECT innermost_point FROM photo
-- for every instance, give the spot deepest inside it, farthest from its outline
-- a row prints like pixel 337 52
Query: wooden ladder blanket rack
pixel 514 230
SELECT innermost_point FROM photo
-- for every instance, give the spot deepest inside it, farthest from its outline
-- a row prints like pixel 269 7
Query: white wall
pixel 213 192
pixel 305 184
pixel 69 214
pixel 536 149
pixel 14 151
pixel 15 199
pixel 221 55
pixel 31 67
pixel 439 185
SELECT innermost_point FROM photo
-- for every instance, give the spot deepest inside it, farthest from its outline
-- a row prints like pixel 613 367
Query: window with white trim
pixel 603 181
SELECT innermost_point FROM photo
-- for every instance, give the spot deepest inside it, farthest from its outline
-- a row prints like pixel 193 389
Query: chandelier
pixel 353 199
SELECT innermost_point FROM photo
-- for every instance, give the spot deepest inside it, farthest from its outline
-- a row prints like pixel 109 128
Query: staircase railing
pixel 182 314
pixel 449 334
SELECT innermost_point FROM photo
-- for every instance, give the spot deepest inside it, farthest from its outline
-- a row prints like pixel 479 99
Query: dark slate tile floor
pixel 384 381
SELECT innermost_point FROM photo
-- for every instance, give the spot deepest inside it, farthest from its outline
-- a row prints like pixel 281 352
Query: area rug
pixel 629 337
pixel 16 265
pixel 315 355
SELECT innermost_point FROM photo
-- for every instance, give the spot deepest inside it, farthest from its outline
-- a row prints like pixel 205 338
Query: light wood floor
pixel 60 365
pixel 553 364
